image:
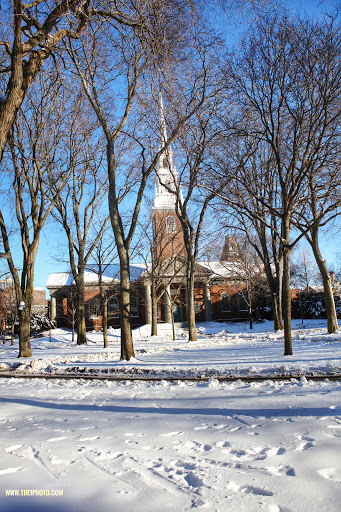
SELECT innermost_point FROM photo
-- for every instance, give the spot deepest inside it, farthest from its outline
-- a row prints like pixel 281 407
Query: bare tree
pixel 281 107
pixel 34 32
pixel 249 270
pixel 304 271
pixel 103 256
pixel 8 310
pixel 77 206
pixel 196 146
pixel 31 36
pixel 245 209
pixel 135 60
pixel 71 310
pixel 37 162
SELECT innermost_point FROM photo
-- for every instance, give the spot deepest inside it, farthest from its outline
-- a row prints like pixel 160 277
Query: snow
pixel 172 444
pixel 111 274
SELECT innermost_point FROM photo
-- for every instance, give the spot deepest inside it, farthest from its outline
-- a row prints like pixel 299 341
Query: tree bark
pixel 127 350
pixel 105 321
pixel 274 283
pixel 27 283
pixel 332 321
pixel 154 309
pixel 81 325
pixel 277 313
pixel 286 299
pixel 192 330
pixel 24 332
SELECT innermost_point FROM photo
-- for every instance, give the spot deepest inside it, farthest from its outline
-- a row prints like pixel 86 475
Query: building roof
pixel 111 274
pixel 220 269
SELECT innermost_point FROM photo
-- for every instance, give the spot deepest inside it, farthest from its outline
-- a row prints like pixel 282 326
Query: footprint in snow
pixel 258 491
pixel 281 470
pixel 269 452
pixel 305 445
pixel 248 489
pixel 223 444
pixel 193 480
pixel 276 508
pixel 171 434
pixel 186 465
pixel 333 474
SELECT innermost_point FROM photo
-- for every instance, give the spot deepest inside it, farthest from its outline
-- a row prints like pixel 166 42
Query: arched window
pixel 93 308
pixel 134 306
pixel 225 302
pixel 165 162
pixel 113 307
pixel 243 306
pixel 170 224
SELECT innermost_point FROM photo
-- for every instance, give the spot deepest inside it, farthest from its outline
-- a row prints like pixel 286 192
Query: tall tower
pixel 167 230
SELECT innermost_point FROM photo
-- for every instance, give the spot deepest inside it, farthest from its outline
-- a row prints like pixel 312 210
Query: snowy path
pixel 156 447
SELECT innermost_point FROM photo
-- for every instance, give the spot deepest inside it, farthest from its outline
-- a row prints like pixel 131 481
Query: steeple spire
pixel 166 175
pixel 164 137
pixel 166 159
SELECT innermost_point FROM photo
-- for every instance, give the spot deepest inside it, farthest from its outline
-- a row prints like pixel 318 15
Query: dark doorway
pixel 177 312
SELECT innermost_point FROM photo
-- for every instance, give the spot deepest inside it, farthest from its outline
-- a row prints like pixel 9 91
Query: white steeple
pixel 166 173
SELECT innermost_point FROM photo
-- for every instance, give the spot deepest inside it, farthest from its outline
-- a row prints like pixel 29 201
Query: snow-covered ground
pixel 177 446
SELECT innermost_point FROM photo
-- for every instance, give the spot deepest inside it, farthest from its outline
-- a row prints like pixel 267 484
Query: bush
pixel 39 323
pixel 312 305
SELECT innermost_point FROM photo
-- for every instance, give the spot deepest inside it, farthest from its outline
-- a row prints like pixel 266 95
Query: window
pixel 93 308
pixel 197 308
pixel 60 307
pixel 165 162
pixel 113 307
pixel 134 307
pixel 225 302
pixel 242 303
pixel 170 224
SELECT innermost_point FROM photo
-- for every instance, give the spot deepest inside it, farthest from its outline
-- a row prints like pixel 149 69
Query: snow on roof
pixel 220 268
pixel 59 279
pixel 110 274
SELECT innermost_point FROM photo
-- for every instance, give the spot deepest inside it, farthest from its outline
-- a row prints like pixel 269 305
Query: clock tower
pixel 167 229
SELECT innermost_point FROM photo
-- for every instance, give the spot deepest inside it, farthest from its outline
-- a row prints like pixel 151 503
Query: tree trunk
pixel 73 329
pixel 192 330
pixel 250 317
pixel 173 326
pixel 24 332
pixel 277 313
pixel 333 325
pixel 154 309
pixel 81 324
pixel 286 300
pixel 275 290
pixel 26 297
pixel 12 333
pixel 105 322
pixel 127 350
